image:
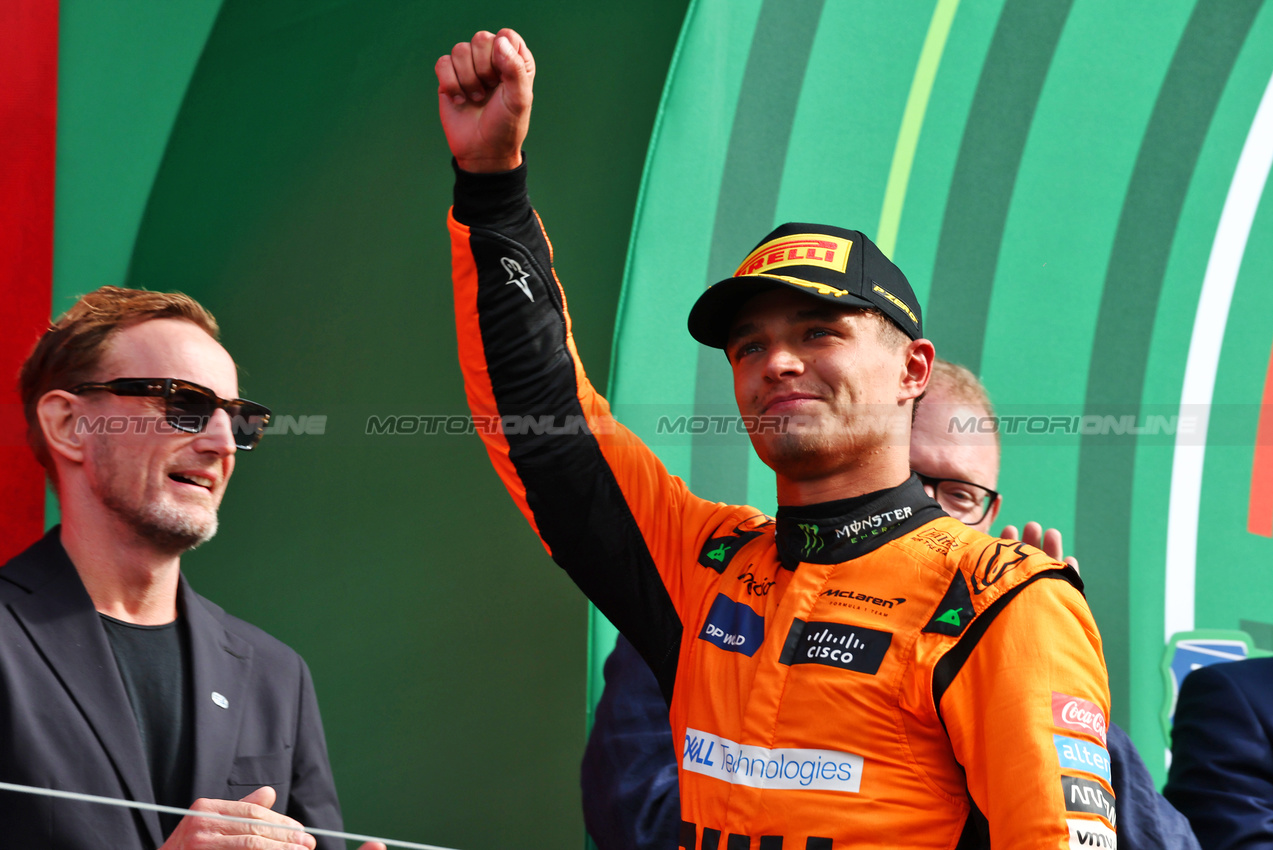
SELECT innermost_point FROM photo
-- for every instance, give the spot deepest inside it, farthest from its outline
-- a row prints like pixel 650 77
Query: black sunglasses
pixel 189 407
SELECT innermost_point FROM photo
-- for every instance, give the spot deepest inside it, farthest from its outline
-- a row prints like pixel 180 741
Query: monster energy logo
pixel 812 540
pixel 870 532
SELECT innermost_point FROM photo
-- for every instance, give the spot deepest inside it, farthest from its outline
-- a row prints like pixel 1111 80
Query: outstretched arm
pixel 605 507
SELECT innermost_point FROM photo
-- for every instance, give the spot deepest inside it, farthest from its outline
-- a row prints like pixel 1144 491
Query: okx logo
pixel 733 626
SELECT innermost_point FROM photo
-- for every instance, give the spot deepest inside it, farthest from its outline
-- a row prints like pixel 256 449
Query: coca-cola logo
pixel 1075 713
pixel 1078 714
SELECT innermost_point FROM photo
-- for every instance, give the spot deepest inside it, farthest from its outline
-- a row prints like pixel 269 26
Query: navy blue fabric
pixel 1221 773
pixel 631 800
pixel 1145 818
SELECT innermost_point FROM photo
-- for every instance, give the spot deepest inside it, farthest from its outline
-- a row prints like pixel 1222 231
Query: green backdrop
pixel 1074 190
pixel 281 160
pixel 1073 186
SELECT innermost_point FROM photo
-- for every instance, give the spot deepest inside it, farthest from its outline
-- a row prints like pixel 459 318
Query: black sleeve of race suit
pixel 571 490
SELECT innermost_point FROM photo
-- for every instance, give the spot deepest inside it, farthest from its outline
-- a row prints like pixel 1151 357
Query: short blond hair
pixel 962 386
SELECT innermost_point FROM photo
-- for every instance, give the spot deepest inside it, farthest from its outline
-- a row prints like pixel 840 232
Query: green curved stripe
pixel 981 189
pixel 123 72
pixel 1182 114
pixel 912 121
pixel 744 210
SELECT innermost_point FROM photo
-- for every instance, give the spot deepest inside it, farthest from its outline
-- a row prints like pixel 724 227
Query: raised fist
pixel 485 88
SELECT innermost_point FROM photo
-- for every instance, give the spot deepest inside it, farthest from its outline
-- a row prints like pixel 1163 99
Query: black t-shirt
pixel 153 662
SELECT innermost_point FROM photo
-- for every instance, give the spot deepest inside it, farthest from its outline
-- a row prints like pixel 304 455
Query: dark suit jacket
pixel 66 723
pixel 1221 773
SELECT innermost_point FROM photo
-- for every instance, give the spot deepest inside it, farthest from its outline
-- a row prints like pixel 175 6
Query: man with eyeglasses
pixel 628 778
pixel 116 678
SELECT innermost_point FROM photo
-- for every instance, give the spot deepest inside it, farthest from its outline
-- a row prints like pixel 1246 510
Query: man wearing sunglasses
pixel 116 678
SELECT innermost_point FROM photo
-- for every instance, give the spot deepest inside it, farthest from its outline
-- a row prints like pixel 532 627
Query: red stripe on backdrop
pixel 28 114
pixel 1259 518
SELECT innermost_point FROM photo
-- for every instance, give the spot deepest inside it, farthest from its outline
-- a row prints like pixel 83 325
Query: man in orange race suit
pixel 628 780
pixel 936 721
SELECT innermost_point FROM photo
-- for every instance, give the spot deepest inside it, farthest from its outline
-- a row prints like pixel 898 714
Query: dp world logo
pixel 733 627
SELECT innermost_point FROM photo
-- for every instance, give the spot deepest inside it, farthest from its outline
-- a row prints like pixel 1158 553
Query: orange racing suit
pixel 863 673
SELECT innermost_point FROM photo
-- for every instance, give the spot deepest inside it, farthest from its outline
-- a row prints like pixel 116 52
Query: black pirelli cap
pixel 838 266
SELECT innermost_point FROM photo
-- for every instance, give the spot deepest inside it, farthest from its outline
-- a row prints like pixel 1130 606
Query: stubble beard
pixel 168 526
pixel 811 451
pixel 155 517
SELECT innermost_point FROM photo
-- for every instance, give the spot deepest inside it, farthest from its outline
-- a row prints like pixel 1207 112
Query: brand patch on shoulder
pixel 1080 715
pixel 718 551
pixel 937 540
pixel 1086 834
pixel 996 561
pixel 842 645
pixel 1077 754
pixel 733 626
pixel 1084 795
pixel 955 610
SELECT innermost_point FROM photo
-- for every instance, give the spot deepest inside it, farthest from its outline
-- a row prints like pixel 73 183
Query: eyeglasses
pixel 189 407
pixel 967 502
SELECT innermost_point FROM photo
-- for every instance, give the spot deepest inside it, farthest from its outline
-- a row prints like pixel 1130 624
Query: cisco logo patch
pixel 840 645
pixel 733 626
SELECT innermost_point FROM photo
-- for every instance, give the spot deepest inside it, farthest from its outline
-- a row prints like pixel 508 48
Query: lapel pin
pixel 220 700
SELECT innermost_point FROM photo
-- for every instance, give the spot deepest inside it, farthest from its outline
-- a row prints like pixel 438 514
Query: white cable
pixel 172 810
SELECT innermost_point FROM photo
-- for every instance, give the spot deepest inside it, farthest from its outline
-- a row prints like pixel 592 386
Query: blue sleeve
pixel 1221 773
pixel 1145 818
pixel 631 800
